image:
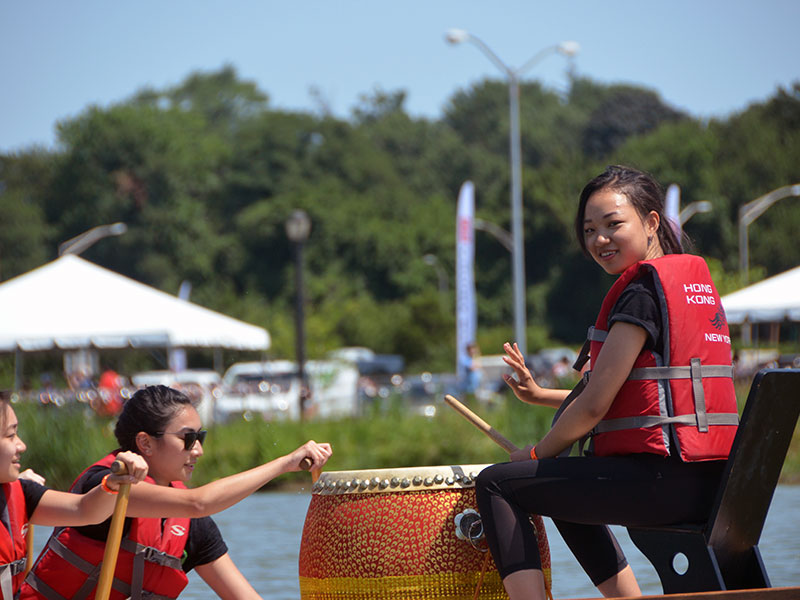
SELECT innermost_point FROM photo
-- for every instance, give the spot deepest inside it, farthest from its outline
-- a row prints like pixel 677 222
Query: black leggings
pixel 583 495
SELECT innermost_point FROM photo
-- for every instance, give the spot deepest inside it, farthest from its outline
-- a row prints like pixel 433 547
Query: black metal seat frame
pixel 722 554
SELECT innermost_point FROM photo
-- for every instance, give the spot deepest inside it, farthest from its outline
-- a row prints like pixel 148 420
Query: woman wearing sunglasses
pixel 25 501
pixel 168 531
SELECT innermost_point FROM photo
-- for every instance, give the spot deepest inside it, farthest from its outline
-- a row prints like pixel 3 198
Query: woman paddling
pixel 169 531
pixel 660 437
pixel 26 501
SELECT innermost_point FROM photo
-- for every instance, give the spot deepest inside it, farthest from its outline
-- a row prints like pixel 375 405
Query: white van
pixel 272 388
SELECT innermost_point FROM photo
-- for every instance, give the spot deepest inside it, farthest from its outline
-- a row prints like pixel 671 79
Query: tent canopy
pixel 768 301
pixel 71 303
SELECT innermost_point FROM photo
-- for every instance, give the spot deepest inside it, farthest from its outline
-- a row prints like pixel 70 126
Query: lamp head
pixel 298 226
pixel 569 48
pixel 117 228
pixel 456 36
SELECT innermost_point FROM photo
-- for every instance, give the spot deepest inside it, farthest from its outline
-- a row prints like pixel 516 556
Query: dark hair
pixel 148 410
pixel 644 194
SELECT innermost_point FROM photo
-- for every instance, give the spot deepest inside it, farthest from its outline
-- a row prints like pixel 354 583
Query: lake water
pixel 263 536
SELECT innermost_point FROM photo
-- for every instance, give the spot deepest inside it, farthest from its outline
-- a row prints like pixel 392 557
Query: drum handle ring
pixel 469 527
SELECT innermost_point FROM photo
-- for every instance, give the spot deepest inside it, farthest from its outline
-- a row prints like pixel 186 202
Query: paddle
pixel 29 549
pixel 114 535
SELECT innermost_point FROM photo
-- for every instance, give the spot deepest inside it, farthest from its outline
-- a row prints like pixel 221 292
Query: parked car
pixel 368 362
pixel 424 393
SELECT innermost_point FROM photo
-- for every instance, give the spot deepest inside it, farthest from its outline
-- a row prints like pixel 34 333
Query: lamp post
pixel 702 206
pixel 81 242
pixel 298 228
pixel 750 212
pixel 458 36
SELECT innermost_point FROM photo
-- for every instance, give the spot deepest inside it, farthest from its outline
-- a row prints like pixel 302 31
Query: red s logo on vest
pixel 24 530
pixel 178 530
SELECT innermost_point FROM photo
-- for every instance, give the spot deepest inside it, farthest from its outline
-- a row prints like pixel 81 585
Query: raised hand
pixel 524 386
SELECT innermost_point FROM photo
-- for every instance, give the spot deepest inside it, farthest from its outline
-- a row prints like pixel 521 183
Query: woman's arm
pixel 623 344
pixel 524 386
pixel 226 580
pixel 95 506
pixel 162 501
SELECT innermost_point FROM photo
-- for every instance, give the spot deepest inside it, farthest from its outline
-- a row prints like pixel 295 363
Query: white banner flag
pixel 466 312
pixel 672 208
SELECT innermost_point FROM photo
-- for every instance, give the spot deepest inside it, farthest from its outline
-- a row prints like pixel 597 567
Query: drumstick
pixel 504 443
pixel 305 464
pixel 114 535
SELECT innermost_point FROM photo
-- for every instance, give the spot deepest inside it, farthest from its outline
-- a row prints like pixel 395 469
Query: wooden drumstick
pixel 114 535
pixel 497 438
pixel 305 464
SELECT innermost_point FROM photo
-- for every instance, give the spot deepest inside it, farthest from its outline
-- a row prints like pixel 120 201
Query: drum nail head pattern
pixel 363 546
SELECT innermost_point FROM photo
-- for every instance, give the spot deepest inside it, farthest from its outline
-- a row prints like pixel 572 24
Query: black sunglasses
pixel 188 437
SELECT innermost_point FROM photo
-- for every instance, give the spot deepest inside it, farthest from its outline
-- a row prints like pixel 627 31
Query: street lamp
pixel 702 206
pixel 298 228
pixel 81 242
pixel 497 232
pixel 750 212
pixel 458 36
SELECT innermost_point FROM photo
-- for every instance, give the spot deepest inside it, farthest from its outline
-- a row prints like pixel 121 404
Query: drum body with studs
pixel 405 533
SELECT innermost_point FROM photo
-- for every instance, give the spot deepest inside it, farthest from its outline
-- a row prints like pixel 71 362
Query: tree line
pixel 205 174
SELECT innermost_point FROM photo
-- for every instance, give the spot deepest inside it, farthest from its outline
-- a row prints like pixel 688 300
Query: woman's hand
pixel 524 386
pixel 318 453
pixel 136 466
pixel 32 475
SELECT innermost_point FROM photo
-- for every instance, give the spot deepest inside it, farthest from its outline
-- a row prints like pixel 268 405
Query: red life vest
pixel 149 560
pixel 13 535
pixel 686 397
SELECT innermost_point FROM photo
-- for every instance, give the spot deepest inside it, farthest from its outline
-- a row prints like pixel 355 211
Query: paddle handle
pixel 114 535
pixel 496 437
pixel 29 549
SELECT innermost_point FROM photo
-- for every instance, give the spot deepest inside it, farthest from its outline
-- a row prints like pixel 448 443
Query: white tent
pixel 71 304
pixel 769 301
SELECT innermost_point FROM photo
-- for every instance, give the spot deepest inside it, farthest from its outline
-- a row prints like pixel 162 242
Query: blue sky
pixel 708 57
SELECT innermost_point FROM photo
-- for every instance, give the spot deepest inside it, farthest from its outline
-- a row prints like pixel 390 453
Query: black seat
pixel 723 553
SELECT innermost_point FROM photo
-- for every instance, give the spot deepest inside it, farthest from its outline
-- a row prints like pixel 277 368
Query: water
pixel 263 536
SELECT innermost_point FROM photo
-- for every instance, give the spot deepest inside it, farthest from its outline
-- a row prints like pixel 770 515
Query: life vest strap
pixel 92 572
pixel 142 554
pixel 593 335
pixel 15 566
pixel 7 573
pixel 151 554
pixel 643 421
pixel 696 372
pixel 681 372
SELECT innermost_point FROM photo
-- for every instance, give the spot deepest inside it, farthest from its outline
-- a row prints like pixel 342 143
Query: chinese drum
pixel 399 534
